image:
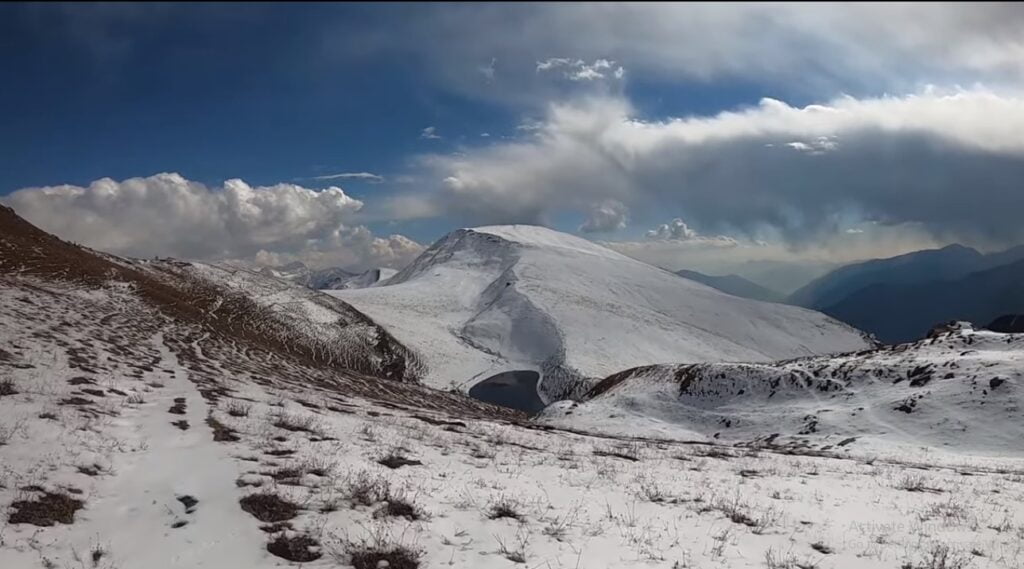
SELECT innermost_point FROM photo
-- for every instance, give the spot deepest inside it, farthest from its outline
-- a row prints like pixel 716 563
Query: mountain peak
pixel 524 297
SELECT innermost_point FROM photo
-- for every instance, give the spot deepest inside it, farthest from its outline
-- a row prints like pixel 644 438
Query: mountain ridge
pixel 734 285
pixel 536 298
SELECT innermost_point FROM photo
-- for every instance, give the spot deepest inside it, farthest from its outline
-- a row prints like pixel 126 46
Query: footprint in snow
pixel 190 503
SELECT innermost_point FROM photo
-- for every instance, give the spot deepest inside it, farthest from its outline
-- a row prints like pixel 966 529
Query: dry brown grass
pixel 269 507
pixel 49 509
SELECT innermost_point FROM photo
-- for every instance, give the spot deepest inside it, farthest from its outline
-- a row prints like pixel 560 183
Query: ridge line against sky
pixel 699 136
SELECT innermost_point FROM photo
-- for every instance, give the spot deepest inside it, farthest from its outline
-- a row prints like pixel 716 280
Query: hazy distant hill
pixel 734 285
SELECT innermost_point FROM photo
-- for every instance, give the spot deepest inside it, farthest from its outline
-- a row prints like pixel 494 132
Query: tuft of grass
pixel 914 483
pixel 375 554
pixel 294 422
pixel 135 399
pixel 299 548
pixel 515 552
pixel 713 452
pixel 221 432
pixel 616 454
pixel 49 509
pixel 776 560
pixel 237 408
pixel 367 489
pixel 940 557
pixel 504 507
pixel 395 458
pixel 399 507
pixel 96 554
pixel 269 507
pixel 89 469
pixel 822 548
pixel 287 475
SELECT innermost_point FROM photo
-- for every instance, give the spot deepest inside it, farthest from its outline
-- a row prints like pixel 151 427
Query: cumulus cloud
pixel 363 176
pixel 948 160
pixel 609 215
pixel 168 215
pixel 430 133
pixel 675 229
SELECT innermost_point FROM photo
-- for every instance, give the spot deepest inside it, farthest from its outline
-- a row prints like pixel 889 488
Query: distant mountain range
pixel 734 285
pixel 900 298
pixel 782 276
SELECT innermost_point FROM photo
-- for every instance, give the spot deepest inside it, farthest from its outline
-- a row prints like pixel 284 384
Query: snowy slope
pixel 315 279
pixel 961 390
pixel 179 420
pixel 97 375
pixel 506 297
pixel 365 279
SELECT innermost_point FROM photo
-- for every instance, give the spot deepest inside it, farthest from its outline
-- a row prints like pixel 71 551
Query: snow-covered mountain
pixel 484 300
pixel 962 389
pixel 365 279
pixel 173 415
pixel 332 278
pixel 315 279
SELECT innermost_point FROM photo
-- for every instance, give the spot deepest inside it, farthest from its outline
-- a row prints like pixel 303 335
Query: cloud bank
pixel 793 48
pixel 168 215
pixel 949 161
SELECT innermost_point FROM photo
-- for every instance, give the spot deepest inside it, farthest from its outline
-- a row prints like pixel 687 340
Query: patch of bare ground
pixel 269 507
pixel 377 553
pixel 396 459
pixel 46 510
pixel 179 406
pixel 299 548
pixel 221 432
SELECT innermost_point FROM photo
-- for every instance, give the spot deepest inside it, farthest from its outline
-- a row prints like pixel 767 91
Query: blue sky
pixel 827 131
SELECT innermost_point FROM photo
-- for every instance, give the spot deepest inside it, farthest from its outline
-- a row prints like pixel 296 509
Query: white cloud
pixel 725 255
pixel 364 176
pixel 168 215
pixel 675 229
pixel 430 133
pixel 579 70
pixel 949 160
pixel 488 70
pixel 819 145
pixel 792 48
pixel 609 215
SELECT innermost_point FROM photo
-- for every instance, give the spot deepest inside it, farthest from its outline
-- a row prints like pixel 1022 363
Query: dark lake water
pixel 516 389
